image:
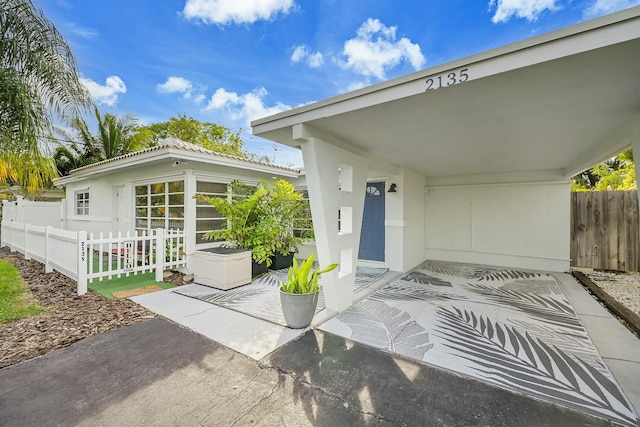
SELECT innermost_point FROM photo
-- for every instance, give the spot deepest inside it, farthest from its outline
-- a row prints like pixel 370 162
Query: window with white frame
pixel 303 225
pixel 160 205
pixel 207 217
pixel 82 202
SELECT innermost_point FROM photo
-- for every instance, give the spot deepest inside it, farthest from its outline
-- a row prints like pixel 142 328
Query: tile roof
pixel 177 144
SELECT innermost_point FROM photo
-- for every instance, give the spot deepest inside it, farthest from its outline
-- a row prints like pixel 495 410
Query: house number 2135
pixel 448 79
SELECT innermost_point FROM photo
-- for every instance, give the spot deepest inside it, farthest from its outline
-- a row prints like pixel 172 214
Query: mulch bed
pixel 71 317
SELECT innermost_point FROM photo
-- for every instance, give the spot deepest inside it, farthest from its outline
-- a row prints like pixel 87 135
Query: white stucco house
pixel 154 188
pixel 468 161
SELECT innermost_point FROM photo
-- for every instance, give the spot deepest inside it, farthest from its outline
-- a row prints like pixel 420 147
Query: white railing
pixel 100 257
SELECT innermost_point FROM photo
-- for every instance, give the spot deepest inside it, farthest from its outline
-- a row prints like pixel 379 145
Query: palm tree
pixel 115 135
pixel 72 157
pixel 38 83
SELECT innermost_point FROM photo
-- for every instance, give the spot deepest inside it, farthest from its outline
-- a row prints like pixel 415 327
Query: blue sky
pixel 233 61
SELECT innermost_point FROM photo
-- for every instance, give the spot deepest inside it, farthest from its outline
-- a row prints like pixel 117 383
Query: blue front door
pixel 372 234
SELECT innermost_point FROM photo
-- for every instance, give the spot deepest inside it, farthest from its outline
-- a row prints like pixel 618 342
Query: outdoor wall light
pixel 392 188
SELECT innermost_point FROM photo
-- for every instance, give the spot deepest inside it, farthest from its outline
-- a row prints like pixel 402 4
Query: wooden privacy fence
pixel 604 230
pixel 86 258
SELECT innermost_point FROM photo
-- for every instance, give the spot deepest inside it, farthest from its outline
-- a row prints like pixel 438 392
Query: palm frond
pixel 377 324
pixel 402 290
pixel 522 362
pixel 502 275
pixel 425 279
pixel 552 310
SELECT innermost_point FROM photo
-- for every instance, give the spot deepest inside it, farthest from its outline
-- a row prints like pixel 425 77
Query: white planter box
pixel 222 268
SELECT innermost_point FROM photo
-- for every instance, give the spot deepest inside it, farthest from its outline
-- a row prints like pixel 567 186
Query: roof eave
pixel 172 154
pixel 405 85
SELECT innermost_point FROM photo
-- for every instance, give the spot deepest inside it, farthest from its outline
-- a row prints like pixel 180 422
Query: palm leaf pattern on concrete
pixel 547 308
pixel 519 361
pixel 261 298
pixel 425 279
pixel 476 327
pixel 402 290
pixel 388 328
pixel 475 273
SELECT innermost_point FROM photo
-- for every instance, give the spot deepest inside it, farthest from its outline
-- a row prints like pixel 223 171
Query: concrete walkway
pixel 159 373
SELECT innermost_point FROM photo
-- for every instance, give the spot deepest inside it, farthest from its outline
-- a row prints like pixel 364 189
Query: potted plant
pixel 299 293
pixel 248 226
pixel 260 219
pixel 284 205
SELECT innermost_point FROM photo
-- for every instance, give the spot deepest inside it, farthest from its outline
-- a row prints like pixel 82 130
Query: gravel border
pixel 622 302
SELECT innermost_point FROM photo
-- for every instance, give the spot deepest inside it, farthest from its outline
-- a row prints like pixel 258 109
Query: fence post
pixel 26 242
pixel 48 267
pixel 11 236
pixel 82 262
pixel 160 245
pixel 19 209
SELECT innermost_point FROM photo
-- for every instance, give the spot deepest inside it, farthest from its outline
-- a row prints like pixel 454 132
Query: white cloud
pixel 84 32
pixel 375 50
pixel 105 94
pixel 176 85
pixel 527 9
pixel 312 59
pixel 236 11
pixel 603 7
pixel 185 87
pixel 245 107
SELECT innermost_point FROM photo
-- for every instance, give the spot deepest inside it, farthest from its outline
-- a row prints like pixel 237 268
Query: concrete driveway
pixel 159 373
pixel 443 345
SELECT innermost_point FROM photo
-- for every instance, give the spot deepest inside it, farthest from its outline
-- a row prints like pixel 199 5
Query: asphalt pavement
pixel 162 374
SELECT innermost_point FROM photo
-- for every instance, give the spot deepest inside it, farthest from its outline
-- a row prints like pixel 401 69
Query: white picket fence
pixel 87 258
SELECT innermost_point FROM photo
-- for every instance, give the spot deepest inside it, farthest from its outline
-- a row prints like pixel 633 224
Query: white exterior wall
pixel 404 221
pixel 413 249
pixel 513 225
pixel 111 196
pixel 99 218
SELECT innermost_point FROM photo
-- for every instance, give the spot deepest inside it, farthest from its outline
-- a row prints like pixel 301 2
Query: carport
pixel 480 150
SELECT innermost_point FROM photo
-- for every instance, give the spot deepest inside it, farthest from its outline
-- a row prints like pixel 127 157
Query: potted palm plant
pixel 299 293
pixel 260 219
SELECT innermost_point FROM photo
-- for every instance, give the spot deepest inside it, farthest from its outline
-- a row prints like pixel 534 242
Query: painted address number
pixel 448 79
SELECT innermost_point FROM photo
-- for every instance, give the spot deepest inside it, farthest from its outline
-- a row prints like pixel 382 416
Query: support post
pixel 160 245
pixel 82 262
pixel 48 267
pixel 26 242
pixel 336 180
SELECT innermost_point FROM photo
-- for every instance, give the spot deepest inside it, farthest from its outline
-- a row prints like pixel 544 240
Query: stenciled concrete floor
pixel 530 332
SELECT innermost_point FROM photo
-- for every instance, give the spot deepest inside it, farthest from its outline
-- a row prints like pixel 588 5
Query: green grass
pixel 107 287
pixel 13 302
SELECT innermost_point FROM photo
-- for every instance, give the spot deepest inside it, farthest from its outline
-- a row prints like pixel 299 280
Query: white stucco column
pixel 336 181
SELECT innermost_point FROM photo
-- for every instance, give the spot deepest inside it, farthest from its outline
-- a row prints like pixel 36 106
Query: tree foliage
pixel 618 173
pixel 38 82
pixel 260 219
pixel 211 136
pixel 114 136
pixel 68 158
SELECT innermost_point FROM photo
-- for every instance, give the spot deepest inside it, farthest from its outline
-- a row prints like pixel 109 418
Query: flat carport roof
pixel 545 108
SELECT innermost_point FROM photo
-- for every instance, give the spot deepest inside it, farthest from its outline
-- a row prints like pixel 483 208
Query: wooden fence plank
pixel 613 202
pixel 605 230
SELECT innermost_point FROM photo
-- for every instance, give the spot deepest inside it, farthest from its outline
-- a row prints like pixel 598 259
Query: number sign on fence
pixel 604 230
